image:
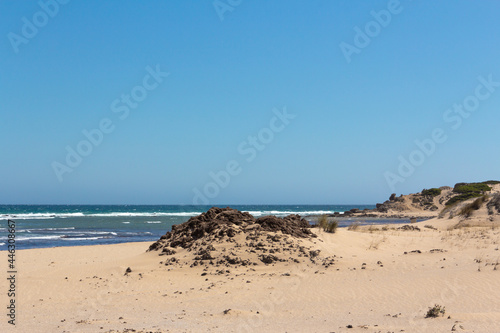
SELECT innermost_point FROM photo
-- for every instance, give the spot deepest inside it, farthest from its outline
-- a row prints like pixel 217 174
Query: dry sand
pixel 372 286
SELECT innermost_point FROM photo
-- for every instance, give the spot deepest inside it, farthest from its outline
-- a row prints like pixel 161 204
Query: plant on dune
pixel 435 311
pixel 494 204
pixel 332 226
pixel 432 192
pixel 443 212
pixel 353 226
pixel 328 226
pixel 462 197
pixel 468 209
pixel 471 187
pixel 468 191
pixel 323 222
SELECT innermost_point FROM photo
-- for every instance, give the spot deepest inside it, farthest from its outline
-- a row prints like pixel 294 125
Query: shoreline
pixel 311 218
pixel 49 226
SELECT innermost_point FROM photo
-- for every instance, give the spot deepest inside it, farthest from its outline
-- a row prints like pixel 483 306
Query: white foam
pixel 69 228
pixel 152 222
pixel 85 238
pixel 40 216
pixel 128 214
pixel 45 229
pixel 281 213
pixel 37 237
pixel 126 222
pixel 100 233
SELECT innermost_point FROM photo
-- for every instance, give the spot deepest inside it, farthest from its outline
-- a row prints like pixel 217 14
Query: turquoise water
pixel 39 226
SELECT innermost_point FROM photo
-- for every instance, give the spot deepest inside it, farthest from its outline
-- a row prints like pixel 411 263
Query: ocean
pixel 41 226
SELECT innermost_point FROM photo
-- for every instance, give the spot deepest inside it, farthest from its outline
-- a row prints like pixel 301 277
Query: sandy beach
pixel 233 166
pixel 380 281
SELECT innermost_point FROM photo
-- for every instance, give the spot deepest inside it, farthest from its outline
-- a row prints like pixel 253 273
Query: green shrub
pixel 432 191
pixel 471 187
pixel 462 197
pixel 491 182
pixel 435 311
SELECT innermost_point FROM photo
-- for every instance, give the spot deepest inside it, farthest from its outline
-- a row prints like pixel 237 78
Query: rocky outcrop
pixel 434 202
pixel 228 237
pixel 218 223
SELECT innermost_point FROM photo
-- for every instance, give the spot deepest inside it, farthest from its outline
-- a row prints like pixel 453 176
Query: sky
pixel 245 102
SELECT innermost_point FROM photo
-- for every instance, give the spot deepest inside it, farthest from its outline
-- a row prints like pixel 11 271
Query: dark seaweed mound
pixel 218 223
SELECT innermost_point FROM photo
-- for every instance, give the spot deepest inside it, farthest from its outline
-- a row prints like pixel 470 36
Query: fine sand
pixel 372 285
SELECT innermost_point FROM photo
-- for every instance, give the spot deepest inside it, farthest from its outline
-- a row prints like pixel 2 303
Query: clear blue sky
pixel 353 118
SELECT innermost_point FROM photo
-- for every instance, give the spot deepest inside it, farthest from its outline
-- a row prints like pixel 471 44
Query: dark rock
pixel 268 259
pixel 409 228
pixel 167 251
pixel 204 254
pixel 314 254
pixel 292 225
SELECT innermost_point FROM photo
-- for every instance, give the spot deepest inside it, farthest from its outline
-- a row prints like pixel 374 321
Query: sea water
pixel 39 226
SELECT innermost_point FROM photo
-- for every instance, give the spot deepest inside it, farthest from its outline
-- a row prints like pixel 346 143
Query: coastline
pixel 68 225
pixel 373 286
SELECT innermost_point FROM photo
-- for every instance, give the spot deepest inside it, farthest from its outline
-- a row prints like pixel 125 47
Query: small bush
pixel 332 226
pixel 328 226
pixel 494 203
pixel 468 209
pixel 471 187
pixel 323 221
pixel 492 182
pixel 353 226
pixel 436 311
pixel 462 197
pixel 468 191
pixel 432 192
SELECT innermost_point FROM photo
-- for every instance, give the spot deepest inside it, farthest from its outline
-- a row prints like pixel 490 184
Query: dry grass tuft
pixel 328 226
pixel 468 209
pixel 353 226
